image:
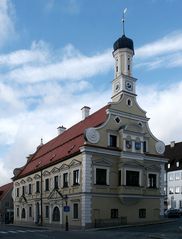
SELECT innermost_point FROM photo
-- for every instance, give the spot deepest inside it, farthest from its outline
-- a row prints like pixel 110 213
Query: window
pixel 101 176
pixel 17 192
pixel 114 213
pixel 76 177
pixel 30 211
pixel 180 203
pixel 17 212
pixel 23 190
pixel 177 190
pixel 168 165
pixel 144 146
pixel 177 164
pixel 56 182
pixel 119 177
pixel 116 68
pixel 30 188
pixel 152 180
pixel 171 190
pixel 65 180
pixel 112 140
pixel 142 213
pixel 129 102
pixel 37 186
pixel 56 215
pixel 75 210
pixel 171 177
pixel 177 176
pixel 132 178
pixel 47 184
pixel 47 211
pixel 23 214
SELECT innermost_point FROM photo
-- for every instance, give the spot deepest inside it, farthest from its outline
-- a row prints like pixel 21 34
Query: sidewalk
pixel 51 227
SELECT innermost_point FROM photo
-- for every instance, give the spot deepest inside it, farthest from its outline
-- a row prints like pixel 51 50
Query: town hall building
pixel 106 169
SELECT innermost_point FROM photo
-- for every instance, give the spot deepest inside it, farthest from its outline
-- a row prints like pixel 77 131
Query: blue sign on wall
pixel 66 208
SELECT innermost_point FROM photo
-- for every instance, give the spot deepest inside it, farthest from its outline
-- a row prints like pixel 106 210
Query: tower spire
pixel 123 20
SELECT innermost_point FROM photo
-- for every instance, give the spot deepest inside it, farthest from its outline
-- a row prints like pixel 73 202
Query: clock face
pixel 129 86
pixel 117 87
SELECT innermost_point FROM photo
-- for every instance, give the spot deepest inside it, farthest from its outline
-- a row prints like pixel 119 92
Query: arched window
pixel 56 215
pixel 23 213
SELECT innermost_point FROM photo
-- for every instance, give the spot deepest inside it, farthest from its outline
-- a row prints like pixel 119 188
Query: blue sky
pixel 56 57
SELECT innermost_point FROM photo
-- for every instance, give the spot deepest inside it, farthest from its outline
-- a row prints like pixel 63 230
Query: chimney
pixel 61 129
pixel 85 112
pixel 172 144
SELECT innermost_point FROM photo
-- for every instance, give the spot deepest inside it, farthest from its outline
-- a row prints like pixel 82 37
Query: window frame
pixel 134 170
pixel 75 212
pixel 107 175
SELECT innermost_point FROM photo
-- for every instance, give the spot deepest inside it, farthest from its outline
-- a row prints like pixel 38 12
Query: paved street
pixel 169 230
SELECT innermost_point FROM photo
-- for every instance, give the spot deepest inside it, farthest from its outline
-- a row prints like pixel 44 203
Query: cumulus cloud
pixel 163 107
pixel 7 19
pixel 41 87
pixel 165 52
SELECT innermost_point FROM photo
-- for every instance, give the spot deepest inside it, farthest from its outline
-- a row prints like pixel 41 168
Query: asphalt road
pixel 170 230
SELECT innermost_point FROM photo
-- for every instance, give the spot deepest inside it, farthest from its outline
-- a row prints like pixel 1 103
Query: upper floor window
pixel 65 180
pixel 56 186
pixel 152 180
pixel 132 178
pixel 101 176
pixel 37 186
pixel 177 176
pixel 30 188
pixel 23 190
pixel 171 177
pixel 171 190
pixel 177 164
pixel 17 192
pixel 47 184
pixel 76 177
pixel 112 140
pixel 177 190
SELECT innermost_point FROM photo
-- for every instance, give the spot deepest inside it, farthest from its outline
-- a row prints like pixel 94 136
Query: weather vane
pixel 123 20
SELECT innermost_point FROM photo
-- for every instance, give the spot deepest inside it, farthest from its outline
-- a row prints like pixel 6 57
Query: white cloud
pixel 7 18
pixel 163 107
pixel 5 174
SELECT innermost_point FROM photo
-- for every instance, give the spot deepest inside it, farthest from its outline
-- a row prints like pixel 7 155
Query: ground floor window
pixel 23 213
pixel 47 211
pixel 75 210
pixel 114 213
pixel 17 212
pixel 56 215
pixel 142 213
pixel 30 211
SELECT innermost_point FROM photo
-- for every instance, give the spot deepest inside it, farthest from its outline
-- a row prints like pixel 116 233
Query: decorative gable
pixel 102 162
pixel 74 163
pixel 64 167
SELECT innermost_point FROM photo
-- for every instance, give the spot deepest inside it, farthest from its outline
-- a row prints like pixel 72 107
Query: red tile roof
pixel 5 189
pixel 63 146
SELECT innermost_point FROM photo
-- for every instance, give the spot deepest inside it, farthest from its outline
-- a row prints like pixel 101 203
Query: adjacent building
pixel 6 203
pixel 108 168
pixel 174 175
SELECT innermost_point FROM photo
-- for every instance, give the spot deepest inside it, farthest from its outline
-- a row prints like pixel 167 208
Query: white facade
pixel 174 189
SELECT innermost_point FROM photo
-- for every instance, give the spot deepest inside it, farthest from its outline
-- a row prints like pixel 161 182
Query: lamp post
pixel 66 210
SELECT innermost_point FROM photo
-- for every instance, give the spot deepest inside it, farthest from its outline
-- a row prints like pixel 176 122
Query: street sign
pixel 66 208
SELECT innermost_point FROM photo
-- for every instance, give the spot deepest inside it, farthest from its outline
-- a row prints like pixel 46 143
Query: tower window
pixel 116 68
pixel 128 67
